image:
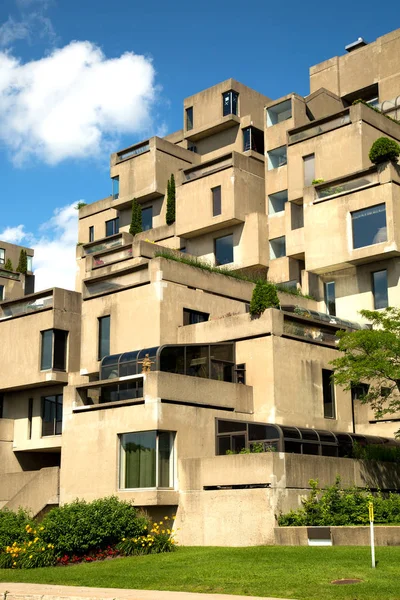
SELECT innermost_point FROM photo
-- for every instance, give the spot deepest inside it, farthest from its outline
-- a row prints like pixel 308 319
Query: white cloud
pixel 32 23
pixel 73 103
pixel 55 247
pixel 13 235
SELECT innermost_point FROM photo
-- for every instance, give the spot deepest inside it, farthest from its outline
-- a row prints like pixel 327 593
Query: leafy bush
pixel 8 266
pixel 264 296
pixel 170 216
pixel 136 218
pixel 337 506
pixel 13 527
pixel 376 452
pixel 31 553
pixel 80 526
pixel 384 149
pixel 156 541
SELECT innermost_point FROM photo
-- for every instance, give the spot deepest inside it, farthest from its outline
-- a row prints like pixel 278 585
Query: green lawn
pixel 290 572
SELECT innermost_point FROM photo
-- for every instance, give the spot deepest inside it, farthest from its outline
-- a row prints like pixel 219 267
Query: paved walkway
pixel 36 591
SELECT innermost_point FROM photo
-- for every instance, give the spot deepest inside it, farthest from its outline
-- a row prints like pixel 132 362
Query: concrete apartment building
pixel 139 382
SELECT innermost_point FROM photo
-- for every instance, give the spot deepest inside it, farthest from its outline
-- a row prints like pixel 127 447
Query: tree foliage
pixel 264 296
pixel 372 356
pixel 23 262
pixel 8 266
pixel 384 149
pixel 136 219
pixel 170 216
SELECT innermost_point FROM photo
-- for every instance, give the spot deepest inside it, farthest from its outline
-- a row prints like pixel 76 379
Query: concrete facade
pixel 279 188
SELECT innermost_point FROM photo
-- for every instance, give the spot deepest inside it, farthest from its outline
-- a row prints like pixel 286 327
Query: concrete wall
pixel 340 536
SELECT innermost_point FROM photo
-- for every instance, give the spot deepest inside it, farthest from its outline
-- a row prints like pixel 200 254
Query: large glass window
pixel 54 350
pixel 91 233
pixel 328 391
pixel 1 292
pixel 253 139
pixel 380 289
pixel 224 250
pixel 216 200
pixel 147 460
pixel 369 226
pixel 52 415
pixel 104 337
pixel 197 361
pixel 29 264
pixel 189 118
pixel 230 103
pixel 112 226
pixel 147 218
pixel 276 202
pixel 309 169
pixel 277 247
pixel 115 188
pixel 2 256
pixel 330 298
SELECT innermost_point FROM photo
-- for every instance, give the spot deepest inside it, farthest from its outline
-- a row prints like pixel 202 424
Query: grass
pixel 200 264
pixel 303 573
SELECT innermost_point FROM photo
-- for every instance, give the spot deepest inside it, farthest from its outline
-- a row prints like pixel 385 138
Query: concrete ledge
pixel 341 536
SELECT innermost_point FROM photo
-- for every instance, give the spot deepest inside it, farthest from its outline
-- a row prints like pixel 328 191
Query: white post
pixel 371 526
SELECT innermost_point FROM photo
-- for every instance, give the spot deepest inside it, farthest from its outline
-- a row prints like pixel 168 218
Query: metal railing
pixel 313 130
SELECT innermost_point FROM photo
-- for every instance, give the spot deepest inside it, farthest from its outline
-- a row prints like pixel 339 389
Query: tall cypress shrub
pixel 136 220
pixel 23 262
pixel 8 266
pixel 264 296
pixel 170 218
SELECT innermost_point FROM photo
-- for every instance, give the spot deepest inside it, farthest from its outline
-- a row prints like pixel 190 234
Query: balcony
pixel 12 309
pixel 340 186
pixel 144 170
pixel 328 124
pixel 10 275
pixel 241 182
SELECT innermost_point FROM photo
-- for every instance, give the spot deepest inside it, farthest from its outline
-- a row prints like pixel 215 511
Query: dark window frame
pixel 56 422
pixel 216 193
pixel 57 362
pixel 328 394
pixel 380 305
pixel 91 233
pixel 232 107
pixel 147 210
pixel 189 118
pixel 100 321
pixel 2 258
pixel 115 187
pixel 189 316
pixel 115 226
pixel 331 310
pixel 216 240
pixel 356 231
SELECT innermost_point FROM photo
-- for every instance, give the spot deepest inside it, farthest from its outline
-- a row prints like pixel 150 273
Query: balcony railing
pixel 334 189
pixel 106 259
pixel 9 274
pixel 313 130
pixel 208 169
pixel 133 151
pixel 309 332
pixel 25 307
pixel 106 245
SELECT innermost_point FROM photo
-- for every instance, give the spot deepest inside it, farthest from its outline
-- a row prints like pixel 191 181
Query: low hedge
pixel 338 506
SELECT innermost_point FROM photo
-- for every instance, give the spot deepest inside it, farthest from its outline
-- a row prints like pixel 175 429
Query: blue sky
pixel 69 93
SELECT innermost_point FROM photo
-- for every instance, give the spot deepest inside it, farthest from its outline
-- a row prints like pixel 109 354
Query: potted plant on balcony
pixel 383 150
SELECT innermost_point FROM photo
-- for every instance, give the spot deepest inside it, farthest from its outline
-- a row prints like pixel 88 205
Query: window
pixel 91 233
pixel 330 299
pixel 2 256
pixel 309 169
pixel 230 103
pixel 224 250
pixel 147 218
pixel 216 200
pixel 277 157
pixel 115 188
pixel 296 215
pixel 30 415
pixel 328 392
pixel 1 405
pixel 276 202
pixel 104 337
pixel 1 292
pixel 147 460
pixel 189 118
pixel 369 226
pixel 253 139
pixel 192 148
pixel 191 317
pixel 278 113
pixel 112 226
pixel 52 415
pixel 54 350
pixel 29 265
pixel 380 289
pixel 277 247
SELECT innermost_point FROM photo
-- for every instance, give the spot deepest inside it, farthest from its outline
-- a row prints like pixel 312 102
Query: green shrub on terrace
pixel 170 215
pixel 264 296
pixel 338 506
pixel 384 149
pixel 136 218
pixel 8 266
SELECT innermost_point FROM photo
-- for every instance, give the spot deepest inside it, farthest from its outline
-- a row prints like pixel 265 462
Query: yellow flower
pixel 41 529
pixel 14 563
pixel 35 540
pixel 43 549
pixel 123 539
pixel 31 556
pixel 161 522
pixel 166 518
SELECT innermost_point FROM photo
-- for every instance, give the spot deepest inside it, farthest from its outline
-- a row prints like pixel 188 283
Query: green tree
pixel 22 263
pixel 136 220
pixel 372 356
pixel 170 217
pixel 264 296
pixel 8 266
pixel 384 149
